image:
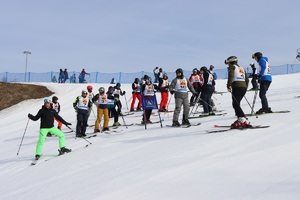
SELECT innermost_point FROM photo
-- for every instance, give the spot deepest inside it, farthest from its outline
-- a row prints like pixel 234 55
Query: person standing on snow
pixel 47 115
pixel 254 77
pixel 117 92
pixel 197 81
pixel 56 107
pixel 112 105
pixel 164 91
pixel 90 95
pixel 208 88
pixel 237 85
pixel 66 75
pixel 61 76
pixel 147 92
pixel 82 105
pixel 136 94
pixel 265 80
pixel 102 103
pixel 180 86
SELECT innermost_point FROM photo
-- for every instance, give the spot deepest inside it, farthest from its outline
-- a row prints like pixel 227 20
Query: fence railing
pixel 121 77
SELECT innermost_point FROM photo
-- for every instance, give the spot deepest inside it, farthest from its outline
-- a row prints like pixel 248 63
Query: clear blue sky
pixel 135 35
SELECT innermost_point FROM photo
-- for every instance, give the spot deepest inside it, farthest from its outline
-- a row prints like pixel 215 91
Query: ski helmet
pixel 179 70
pixel 101 90
pixel 258 55
pixel 203 69
pixel 89 87
pixel 83 92
pixel 195 70
pixel 110 87
pixel 47 100
pixel 54 98
pixel 231 59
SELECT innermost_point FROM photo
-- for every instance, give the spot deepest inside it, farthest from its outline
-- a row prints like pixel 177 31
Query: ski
pixel 228 128
pixel 273 112
pixel 201 116
pixel 90 136
pixel 184 126
pixel 126 114
pixel 141 124
pixel 122 125
pixel 200 112
pixel 112 131
pixel 297 96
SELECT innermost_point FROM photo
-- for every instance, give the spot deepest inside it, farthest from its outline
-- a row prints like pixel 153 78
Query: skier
pixel 254 77
pixel 180 86
pixel 164 91
pixel 56 107
pixel 147 91
pixel 155 72
pixel 102 104
pixel 112 106
pixel 265 80
pixel 237 84
pixel 207 90
pixel 90 95
pixel 47 114
pixel 196 80
pixel 82 104
pixel 136 94
pixel 117 92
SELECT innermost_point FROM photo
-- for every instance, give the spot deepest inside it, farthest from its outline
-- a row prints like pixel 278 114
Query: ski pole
pixel 252 112
pixel 124 121
pixel 23 137
pixel 254 100
pixel 80 137
pixel 126 103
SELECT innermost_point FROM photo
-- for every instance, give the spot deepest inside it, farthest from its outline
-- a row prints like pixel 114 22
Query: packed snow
pixel 157 163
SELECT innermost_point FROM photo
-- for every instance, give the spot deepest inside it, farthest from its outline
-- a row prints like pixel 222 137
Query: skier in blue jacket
pixel 265 80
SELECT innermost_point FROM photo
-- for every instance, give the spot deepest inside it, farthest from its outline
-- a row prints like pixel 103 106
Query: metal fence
pixel 97 77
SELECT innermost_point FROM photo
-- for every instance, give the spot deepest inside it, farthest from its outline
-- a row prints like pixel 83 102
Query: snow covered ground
pixel 158 163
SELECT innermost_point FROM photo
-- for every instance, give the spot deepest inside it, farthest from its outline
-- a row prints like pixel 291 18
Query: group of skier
pixel 201 84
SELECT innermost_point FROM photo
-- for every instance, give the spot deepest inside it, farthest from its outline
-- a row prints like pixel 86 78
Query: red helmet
pixel 89 87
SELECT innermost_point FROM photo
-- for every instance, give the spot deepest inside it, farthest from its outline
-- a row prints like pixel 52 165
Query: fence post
pixel 6 77
pixel 29 76
pixel 120 75
pixel 96 79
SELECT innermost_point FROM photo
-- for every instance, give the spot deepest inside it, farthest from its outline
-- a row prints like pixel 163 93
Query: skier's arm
pixel 36 117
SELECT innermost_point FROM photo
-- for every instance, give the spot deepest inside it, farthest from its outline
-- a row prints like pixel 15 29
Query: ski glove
pixel 123 93
pixel 30 116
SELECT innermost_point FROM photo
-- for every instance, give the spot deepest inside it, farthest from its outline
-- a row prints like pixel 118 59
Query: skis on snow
pixel 228 128
pixel 184 126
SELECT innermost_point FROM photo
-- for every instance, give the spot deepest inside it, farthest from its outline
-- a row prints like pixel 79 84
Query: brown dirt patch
pixel 13 93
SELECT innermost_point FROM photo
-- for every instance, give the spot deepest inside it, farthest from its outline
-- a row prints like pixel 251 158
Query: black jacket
pixel 47 117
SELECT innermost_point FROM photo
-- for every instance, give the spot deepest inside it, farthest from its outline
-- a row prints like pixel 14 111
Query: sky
pixel 128 36
pixel 157 163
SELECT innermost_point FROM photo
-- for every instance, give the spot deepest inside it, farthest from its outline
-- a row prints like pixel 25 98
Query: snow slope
pixel 158 163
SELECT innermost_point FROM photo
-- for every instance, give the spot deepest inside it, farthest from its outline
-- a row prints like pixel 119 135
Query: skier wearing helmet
pixel 265 80
pixel 237 85
pixel 180 86
pixel 82 105
pixel 101 101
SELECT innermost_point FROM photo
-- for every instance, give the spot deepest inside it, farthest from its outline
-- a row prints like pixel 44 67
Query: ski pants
pixel 264 86
pixel 164 100
pixel 59 124
pixel 186 108
pixel 206 101
pixel 42 137
pixel 100 113
pixel 237 95
pixel 82 117
pixel 134 97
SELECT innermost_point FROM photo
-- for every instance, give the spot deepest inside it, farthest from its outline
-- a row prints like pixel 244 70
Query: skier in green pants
pixel 47 114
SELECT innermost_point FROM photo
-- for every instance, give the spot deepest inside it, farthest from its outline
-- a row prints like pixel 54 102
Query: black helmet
pixel 257 55
pixel 101 90
pixel 231 59
pixel 146 77
pixel 136 80
pixel 203 69
pixel 179 70
pixel 195 70
pixel 54 98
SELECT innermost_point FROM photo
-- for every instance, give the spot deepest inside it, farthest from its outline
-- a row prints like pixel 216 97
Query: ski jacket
pixel 180 86
pixel 237 76
pixel 264 71
pixel 47 117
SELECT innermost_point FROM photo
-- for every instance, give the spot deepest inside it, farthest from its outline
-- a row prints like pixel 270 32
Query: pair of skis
pixel 228 128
